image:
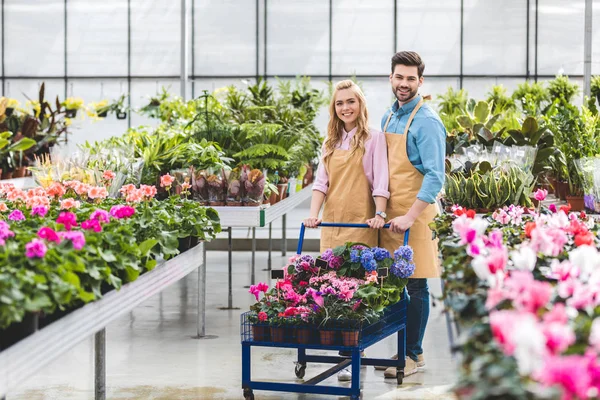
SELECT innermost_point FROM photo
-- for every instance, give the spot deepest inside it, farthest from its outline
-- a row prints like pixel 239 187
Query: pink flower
pixel 69 203
pixel 108 175
pixel 3 207
pixel 121 211
pixel 135 196
pixel 100 215
pixel 494 297
pixel 148 191
pixel 594 338
pixel 56 190
pixel 39 210
pixel 49 234
pixel 558 337
pixel 126 189
pixel 501 216
pixel 35 249
pixel 548 240
pixel 16 215
pixel 35 201
pixel 166 181
pixel 5 232
pixel 575 374
pixel 68 219
pixel 185 186
pixel 81 188
pixel 97 192
pixel 557 314
pixel 540 194
pixel 76 237
pixel 262 316
pixel 91 224
pixel 552 208
pixel 15 195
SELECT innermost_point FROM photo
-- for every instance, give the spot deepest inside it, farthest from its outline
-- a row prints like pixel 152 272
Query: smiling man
pixel 416 140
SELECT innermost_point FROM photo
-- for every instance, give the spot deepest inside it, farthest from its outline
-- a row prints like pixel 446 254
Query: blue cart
pixel 393 321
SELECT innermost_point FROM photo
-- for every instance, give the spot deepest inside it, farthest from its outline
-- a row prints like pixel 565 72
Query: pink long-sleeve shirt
pixel 375 163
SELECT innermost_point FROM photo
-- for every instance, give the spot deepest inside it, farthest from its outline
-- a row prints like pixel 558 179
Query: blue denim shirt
pixel 425 144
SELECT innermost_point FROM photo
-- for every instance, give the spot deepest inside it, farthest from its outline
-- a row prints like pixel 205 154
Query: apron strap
pixel 387 121
pixel 412 116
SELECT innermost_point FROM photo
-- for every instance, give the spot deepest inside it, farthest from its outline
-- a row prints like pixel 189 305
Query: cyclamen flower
pixel 121 211
pixel 39 210
pixel 77 238
pixel 49 234
pixel 35 249
pixel 68 219
pixel 257 289
pixel 540 194
pixel 100 215
pixel 16 215
pixel 91 224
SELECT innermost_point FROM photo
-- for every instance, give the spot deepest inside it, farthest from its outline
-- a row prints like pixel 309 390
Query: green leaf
pixel 482 111
pixel 146 246
pixel 150 264
pixel 464 122
pixel 72 278
pixel 530 126
pixel 22 145
pixel 132 273
pixel 107 255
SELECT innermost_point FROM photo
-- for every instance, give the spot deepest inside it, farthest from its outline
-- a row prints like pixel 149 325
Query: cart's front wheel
pixel 300 370
pixel 248 395
pixel 400 376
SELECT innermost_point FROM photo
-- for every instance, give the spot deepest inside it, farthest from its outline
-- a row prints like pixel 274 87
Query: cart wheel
pixel 400 376
pixel 248 395
pixel 300 370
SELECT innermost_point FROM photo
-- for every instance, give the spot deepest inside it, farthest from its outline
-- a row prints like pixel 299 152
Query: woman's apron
pixel 349 199
pixel 405 184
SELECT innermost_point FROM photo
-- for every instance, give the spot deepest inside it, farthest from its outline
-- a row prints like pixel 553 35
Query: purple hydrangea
pixel 366 257
pixel 335 262
pixel 404 252
pixel 359 247
pixel 304 263
pixel 380 253
pixel 402 268
pixel 371 266
pixel 354 256
pixel 327 254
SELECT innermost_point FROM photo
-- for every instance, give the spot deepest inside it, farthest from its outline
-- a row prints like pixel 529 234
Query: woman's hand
pixel 376 222
pixel 312 222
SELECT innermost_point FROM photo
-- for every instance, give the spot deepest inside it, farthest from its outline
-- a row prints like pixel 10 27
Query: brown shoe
pixel 420 361
pixel 409 368
pixel 383 368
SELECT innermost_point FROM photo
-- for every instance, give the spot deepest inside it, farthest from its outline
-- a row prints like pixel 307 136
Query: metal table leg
pixel 230 270
pixel 270 246
pixel 201 325
pixel 253 275
pixel 283 238
pixel 100 364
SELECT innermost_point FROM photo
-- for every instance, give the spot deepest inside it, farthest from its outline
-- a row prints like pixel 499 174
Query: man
pixel 416 140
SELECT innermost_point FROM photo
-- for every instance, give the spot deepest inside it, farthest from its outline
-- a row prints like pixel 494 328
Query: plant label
pixel 277 274
pixel 320 263
pixel 382 272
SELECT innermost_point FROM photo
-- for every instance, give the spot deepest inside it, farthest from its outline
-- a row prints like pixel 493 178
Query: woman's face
pixel 347 106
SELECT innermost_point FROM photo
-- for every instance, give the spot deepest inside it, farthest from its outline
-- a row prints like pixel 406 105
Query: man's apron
pixel 405 183
pixel 349 199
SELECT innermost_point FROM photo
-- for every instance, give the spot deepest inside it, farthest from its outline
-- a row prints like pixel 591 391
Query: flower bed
pixel 67 244
pixel 336 294
pixel 524 287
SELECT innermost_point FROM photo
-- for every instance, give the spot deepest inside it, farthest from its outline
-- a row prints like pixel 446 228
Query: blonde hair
pixel 335 125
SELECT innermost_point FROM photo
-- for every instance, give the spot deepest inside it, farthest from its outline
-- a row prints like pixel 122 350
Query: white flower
pixel 595 334
pixel 524 258
pixel 587 259
pixel 530 345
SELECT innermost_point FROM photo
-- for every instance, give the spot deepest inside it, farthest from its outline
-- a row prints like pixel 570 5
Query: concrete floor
pixel 151 353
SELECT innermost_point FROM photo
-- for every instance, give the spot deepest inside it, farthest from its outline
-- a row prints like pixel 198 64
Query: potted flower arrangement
pixel 200 186
pixel 217 187
pixel 71 105
pixel 254 186
pixel 235 187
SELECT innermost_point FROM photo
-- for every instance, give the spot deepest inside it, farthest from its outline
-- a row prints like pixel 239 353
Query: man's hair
pixel 410 59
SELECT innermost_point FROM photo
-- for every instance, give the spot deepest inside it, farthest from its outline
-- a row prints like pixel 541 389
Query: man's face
pixel 405 82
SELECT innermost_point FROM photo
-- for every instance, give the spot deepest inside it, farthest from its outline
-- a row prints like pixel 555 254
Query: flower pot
pixel 234 203
pixel 282 190
pixel 19 172
pixel 350 338
pixel 303 335
pixel 103 114
pixel 194 241
pixel 576 203
pixel 563 189
pixel 184 244
pixel 278 334
pixel 71 113
pixel 121 115
pixel 260 333
pixel 327 337
pixel 274 198
pixel 7 175
pixel 18 330
pixel 9 111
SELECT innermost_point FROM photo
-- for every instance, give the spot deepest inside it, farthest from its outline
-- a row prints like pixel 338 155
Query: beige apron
pixel 349 199
pixel 405 183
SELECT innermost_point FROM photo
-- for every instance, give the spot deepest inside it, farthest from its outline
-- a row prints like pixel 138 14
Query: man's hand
pixel 401 224
pixel 312 222
pixel 376 222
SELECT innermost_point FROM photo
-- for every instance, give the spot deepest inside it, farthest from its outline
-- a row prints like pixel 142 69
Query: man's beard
pixel 406 97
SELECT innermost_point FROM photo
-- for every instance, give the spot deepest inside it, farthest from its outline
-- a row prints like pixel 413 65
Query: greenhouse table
pixel 27 357
pixel 253 217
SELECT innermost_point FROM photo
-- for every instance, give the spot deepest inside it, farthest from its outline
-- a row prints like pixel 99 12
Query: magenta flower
pixel 16 215
pixel 91 224
pixel 68 219
pixel 552 208
pixel 100 216
pixel 256 289
pixel 262 316
pixel 5 232
pixel 77 238
pixel 540 194
pixel 36 249
pixel 121 211
pixel 49 234
pixel 39 210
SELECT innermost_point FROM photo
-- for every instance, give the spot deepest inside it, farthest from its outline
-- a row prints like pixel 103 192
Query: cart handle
pixel 339 225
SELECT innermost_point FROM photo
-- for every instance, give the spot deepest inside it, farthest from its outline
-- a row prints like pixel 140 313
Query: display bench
pixel 24 359
pixel 258 217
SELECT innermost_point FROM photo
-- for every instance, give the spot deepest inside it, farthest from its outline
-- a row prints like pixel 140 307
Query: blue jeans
pixel 417 315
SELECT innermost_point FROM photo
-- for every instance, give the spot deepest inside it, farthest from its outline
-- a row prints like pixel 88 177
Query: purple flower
pixel 68 219
pixel 335 262
pixel 100 216
pixel 36 249
pixel 76 237
pixel 91 224
pixel 380 253
pixel 359 247
pixel 16 215
pixel 404 252
pixel 39 210
pixel 354 256
pixel 365 258
pixel 121 211
pixel 402 268
pixel 5 232
pixel 327 254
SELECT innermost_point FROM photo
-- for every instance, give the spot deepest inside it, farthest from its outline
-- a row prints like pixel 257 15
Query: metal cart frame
pixel 395 323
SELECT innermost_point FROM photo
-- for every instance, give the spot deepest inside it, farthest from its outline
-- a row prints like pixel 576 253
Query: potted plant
pixel 595 88
pixel 254 186
pixel 200 186
pixel 235 187
pixel 71 105
pixel 217 187
pixel 100 108
pixel 271 193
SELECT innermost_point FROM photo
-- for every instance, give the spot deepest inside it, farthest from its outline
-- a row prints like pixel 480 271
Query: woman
pixel 352 178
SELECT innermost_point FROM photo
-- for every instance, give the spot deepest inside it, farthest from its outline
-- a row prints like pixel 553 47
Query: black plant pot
pixel 47 319
pixel 121 115
pixel 9 111
pixel 71 113
pixel 103 114
pixel 184 244
pixel 18 331
pixel 193 241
